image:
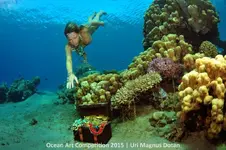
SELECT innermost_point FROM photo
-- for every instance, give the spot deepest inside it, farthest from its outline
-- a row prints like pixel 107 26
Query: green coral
pixel 163 123
pixel 209 49
pixel 171 102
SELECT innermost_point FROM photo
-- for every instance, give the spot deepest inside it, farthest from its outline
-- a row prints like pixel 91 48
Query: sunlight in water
pixel 59 11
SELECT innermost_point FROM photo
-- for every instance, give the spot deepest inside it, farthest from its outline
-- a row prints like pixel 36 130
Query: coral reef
pixel 125 97
pixel 3 92
pixel 127 93
pixel 19 90
pixel 164 124
pixel 174 30
pixel 204 89
pixel 166 67
pixel 97 88
pixel 189 60
pixel 209 49
pixel 66 95
pixel 171 46
pixel 84 70
pixel 170 103
pixel 196 20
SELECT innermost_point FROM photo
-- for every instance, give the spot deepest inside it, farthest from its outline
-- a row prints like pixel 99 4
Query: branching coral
pixel 125 97
pixel 127 94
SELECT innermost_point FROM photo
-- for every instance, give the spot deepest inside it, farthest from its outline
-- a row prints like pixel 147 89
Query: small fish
pixel 162 93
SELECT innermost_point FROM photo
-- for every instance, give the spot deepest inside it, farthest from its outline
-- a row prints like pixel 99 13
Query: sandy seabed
pixel 18 130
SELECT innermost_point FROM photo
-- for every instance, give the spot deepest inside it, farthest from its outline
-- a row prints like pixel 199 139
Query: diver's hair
pixel 71 27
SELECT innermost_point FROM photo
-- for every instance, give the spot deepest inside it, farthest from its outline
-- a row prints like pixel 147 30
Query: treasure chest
pixel 92 130
pixel 95 109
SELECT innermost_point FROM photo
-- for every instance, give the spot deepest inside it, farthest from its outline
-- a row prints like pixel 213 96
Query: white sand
pixel 16 132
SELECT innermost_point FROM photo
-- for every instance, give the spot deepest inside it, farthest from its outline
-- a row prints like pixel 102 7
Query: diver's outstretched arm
pixel 71 77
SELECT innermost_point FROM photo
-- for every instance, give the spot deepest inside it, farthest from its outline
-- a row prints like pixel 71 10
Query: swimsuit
pixel 80 50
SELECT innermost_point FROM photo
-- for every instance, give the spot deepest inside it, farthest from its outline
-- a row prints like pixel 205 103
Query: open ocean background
pixel 32 40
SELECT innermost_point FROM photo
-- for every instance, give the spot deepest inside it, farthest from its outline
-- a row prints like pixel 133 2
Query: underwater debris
pixel 33 122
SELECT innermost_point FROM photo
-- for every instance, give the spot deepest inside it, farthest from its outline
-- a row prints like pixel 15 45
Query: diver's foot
pixel 92 16
pixel 101 12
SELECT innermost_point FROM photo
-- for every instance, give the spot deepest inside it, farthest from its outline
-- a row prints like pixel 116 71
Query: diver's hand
pixel 70 81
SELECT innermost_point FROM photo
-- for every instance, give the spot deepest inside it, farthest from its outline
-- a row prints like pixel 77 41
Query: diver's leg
pixel 96 22
pixel 92 16
pixel 99 14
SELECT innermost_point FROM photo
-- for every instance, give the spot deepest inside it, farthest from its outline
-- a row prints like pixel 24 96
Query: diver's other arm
pixel 71 77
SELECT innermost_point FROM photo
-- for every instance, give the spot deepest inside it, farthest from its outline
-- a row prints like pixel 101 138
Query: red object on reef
pixel 90 133
pixel 95 132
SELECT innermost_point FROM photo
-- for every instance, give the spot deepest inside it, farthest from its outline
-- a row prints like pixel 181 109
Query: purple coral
pixel 166 67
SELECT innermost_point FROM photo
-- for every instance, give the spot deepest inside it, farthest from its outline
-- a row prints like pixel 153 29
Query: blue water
pixel 32 39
